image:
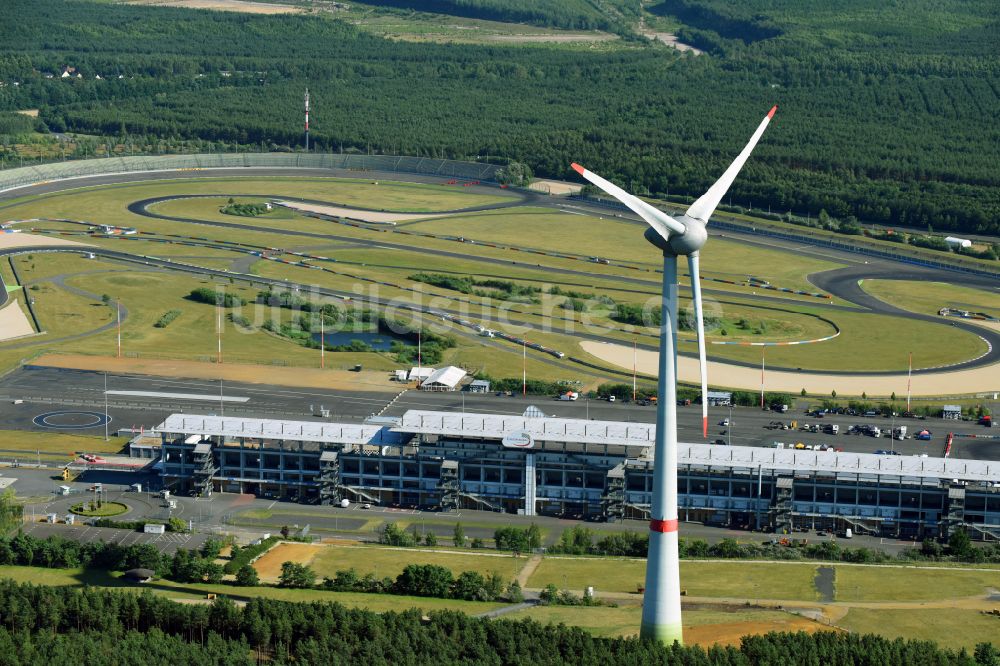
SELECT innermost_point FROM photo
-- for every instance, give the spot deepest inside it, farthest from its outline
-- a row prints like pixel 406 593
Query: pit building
pixel 595 470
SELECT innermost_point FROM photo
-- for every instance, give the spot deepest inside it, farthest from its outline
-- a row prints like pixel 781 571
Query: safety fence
pixel 43 173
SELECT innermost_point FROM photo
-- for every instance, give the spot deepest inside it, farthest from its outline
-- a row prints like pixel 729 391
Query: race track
pixel 843 283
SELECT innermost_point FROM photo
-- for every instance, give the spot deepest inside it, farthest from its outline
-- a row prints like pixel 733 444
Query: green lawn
pixel 929 297
pixel 897 584
pixel 107 204
pixel 617 239
pixel 610 622
pixel 749 580
pixel 106 509
pixel 869 342
pixel 383 561
pixel 950 627
pixel 61 312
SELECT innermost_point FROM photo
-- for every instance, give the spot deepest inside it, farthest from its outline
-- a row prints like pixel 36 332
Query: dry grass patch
pixel 269 564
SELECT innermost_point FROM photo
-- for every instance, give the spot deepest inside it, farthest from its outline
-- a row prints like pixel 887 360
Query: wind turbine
pixel 661 609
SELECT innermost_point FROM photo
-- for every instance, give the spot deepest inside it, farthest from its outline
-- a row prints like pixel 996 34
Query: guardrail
pixel 33 175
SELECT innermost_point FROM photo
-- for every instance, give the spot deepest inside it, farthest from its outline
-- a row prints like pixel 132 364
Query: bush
pixel 167 317
pixel 295 575
pixel 247 576
pixel 215 297
pixel 517 539
pixel 244 556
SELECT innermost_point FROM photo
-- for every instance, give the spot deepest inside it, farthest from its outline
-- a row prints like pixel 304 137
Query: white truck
pixel 899 433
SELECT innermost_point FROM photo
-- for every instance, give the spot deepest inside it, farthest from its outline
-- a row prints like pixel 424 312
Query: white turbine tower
pixel 661 609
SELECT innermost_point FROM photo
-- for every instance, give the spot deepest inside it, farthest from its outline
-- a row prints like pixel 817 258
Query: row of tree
pixel 580 540
pixel 45 625
pixel 418 580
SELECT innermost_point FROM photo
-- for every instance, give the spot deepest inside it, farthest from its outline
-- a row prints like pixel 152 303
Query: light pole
pixel 106 419
pixel 729 430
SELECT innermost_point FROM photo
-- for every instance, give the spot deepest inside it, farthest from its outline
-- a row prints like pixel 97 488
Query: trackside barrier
pixel 42 173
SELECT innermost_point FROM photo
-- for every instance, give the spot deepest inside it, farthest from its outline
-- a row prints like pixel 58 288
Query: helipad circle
pixel 71 420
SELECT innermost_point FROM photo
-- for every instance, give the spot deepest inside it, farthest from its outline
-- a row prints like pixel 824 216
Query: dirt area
pixel 224 5
pixel 268 566
pixel 554 38
pixel 356 214
pixel 670 39
pixel 25 240
pixel 978 380
pixel 730 633
pixel 253 374
pixel 13 322
pixel 31 113
pixel 555 187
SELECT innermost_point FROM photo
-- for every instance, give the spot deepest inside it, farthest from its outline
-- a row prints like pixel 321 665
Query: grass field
pixel 390 562
pixel 872 584
pixel 108 204
pixel 929 297
pixel 751 580
pixel 869 342
pixel 428 27
pixel 31 441
pixel 621 240
pixel 701 626
pixel 950 627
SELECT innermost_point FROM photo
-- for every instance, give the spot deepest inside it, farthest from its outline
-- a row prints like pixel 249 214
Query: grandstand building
pixel 598 470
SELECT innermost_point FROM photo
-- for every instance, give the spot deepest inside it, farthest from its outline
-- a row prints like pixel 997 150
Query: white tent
pixel 444 379
pixel 420 373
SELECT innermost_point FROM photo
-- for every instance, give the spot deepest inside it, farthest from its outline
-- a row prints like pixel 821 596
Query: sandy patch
pixel 13 322
pixel 554 38
pixel 356 214
pixel 668 38
pixel 29 240
pixel 730 633
pixel 268 565
pixel 555 187
pixel 31 113
pixel 979 380
pixel 252 374
pixel 224 5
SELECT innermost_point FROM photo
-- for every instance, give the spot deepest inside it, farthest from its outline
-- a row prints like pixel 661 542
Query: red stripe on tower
pixel 663 526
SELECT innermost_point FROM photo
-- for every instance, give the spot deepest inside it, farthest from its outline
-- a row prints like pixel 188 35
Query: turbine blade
pixel 703 208
pixel 693 264
pixel 662 223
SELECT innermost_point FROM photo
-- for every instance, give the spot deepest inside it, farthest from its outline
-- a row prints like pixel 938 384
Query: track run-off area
pixel 356 247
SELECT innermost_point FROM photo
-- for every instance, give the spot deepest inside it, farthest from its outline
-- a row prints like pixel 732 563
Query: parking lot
pixel 166 543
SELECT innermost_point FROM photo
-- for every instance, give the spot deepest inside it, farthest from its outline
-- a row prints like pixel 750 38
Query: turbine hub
pixel 691 241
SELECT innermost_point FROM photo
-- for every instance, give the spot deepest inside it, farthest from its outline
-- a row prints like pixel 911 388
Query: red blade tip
pixel 770 114
pixel 579 169
pixel 704 427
